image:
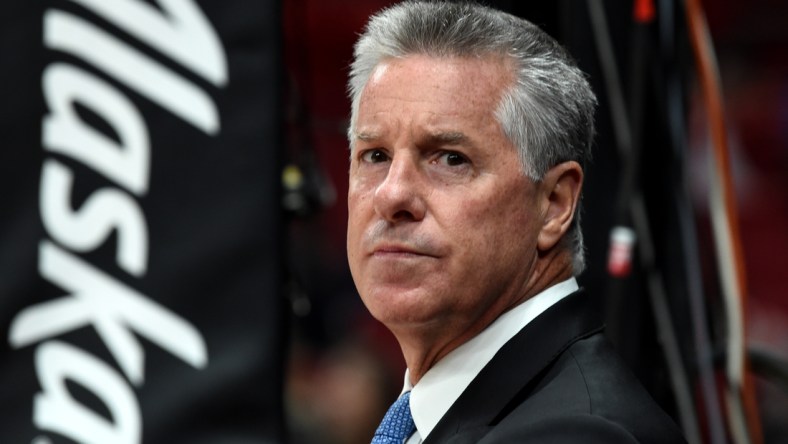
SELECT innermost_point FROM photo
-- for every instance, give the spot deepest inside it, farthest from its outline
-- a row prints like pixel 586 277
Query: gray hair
pixel 548 112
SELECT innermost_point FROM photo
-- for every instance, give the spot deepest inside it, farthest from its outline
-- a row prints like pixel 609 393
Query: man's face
pixel 442 223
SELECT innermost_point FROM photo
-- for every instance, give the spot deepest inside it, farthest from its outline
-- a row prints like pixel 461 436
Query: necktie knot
pixel 398 423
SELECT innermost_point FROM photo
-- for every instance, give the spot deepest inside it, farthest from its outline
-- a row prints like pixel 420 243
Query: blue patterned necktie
pixel 397 425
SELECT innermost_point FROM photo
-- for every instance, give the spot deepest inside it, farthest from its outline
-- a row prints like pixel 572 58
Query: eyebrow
pixel 366 136
pixel 448 138
pixel 436 138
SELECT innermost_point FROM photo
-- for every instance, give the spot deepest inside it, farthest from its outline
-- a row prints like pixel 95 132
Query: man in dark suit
pixel 468 135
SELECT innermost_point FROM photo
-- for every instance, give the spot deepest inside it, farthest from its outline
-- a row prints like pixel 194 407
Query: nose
pixel 400 197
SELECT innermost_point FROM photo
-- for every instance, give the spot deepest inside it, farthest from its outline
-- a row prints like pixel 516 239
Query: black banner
pixel 140 233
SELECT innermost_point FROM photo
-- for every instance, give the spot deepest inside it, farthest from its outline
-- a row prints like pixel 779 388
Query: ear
pixel 560 193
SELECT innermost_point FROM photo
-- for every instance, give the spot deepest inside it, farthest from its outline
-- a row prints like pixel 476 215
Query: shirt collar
pixel 437 390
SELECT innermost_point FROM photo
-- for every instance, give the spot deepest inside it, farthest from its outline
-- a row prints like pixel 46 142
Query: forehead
pixel 433 90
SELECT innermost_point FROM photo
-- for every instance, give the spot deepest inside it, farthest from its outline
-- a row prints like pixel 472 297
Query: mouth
pixel 402 251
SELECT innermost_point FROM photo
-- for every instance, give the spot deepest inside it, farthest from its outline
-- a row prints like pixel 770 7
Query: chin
pixel 402 309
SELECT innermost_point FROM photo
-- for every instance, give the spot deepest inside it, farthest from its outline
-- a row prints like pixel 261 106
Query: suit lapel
pixel 503 383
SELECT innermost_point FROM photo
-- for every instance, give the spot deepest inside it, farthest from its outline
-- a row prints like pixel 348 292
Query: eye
pixel 374 156
pixel 452 158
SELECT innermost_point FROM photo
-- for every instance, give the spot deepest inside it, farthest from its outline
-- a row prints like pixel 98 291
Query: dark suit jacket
pixel 557 381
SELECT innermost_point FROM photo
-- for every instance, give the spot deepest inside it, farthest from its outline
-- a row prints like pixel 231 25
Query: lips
pixel 397 250
pixel 383 240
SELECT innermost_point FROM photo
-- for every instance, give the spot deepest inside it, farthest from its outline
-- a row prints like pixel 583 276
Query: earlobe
pixel 560 196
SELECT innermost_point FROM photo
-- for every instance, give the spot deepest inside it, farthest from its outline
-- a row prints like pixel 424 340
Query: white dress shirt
pixel 437 390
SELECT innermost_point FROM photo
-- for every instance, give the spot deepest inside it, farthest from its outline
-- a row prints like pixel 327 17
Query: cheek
pixel 358 208
pixel 490 211
pixel 495 227
pixel 361 189
pixel 358 217
pixel 353 224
